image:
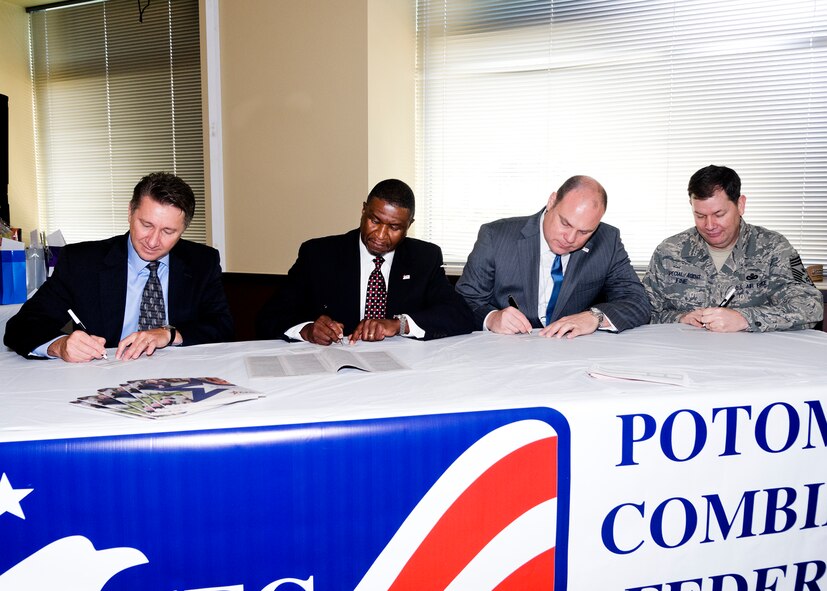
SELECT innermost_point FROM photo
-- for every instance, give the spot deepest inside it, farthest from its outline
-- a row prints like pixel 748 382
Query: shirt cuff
pixel 295 331
pixel 414 331
pixel 610 328
pixel 485 321
pixel 43 350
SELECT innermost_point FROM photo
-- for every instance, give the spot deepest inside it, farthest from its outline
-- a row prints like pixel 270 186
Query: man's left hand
pixel 723 320
pixel 571 326
pixel 143 341
pixel 375 330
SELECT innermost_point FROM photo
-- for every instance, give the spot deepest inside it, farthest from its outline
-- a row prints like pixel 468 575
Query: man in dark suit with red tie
pixel 371 283
pixel 141 291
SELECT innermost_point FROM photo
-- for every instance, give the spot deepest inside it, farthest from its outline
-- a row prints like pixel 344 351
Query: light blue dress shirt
pixel 136 275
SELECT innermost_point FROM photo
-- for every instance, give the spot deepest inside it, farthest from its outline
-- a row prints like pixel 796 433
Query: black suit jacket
pixel 325 280
pixel 90 278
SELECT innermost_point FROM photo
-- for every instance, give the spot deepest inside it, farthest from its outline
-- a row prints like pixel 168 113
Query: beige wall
pixel 391 90
pixel 317 106
pixel 310 121
pixel 16 84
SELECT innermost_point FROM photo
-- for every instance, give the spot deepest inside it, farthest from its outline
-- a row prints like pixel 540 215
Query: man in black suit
pixel 561 270
pixel 104 284
pixel 370 283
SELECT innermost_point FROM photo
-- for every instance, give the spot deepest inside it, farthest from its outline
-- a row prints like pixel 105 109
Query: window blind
pixel 513 97
pixel 114 99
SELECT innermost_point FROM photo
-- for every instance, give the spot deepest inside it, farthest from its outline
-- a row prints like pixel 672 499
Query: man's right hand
pixel 323 331
pixel 508 321
pixel 693 318
pixel 78 347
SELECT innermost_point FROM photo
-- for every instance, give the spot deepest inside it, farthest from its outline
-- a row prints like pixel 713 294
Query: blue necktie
pixel 557 277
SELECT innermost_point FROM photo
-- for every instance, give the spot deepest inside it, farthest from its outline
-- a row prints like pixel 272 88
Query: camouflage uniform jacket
pixel 773 291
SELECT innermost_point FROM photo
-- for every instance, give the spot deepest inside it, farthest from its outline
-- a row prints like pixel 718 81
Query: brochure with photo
pixel 158 398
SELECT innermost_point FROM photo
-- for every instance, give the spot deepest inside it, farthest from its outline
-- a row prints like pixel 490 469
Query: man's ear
pixel 551 201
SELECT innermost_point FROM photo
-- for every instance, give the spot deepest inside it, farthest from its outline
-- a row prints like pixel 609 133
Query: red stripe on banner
pixel 537 574
pixel 516 483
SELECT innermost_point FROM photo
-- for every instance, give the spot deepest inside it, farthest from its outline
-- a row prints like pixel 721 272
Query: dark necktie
pixel 153 313
pixel 377 296
pixel 557 277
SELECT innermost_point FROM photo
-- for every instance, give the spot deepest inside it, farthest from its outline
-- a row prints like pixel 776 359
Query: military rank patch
pixel 799 272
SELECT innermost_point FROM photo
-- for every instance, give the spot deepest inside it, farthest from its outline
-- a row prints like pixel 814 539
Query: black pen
pixel 77 321
pixel 341 339
pixel 512 302
pixel 727 298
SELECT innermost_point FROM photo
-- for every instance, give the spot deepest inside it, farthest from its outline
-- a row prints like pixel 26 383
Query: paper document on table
pixel 674 378
pixel 328 360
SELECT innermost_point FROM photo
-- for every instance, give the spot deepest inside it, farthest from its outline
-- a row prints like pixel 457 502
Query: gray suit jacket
pixel 506 261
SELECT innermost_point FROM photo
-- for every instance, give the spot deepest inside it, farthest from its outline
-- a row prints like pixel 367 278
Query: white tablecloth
pixel 656 478
pixel 474 372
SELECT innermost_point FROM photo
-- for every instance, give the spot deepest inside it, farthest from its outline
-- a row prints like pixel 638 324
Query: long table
pixel 494 462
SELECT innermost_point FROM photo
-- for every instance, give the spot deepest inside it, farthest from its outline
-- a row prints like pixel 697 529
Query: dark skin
pixel 383 226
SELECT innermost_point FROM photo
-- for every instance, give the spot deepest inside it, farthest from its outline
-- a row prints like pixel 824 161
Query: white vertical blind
pixel 516 96
pixel 115 99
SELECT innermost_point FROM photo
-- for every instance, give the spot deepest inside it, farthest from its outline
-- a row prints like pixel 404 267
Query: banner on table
pixel 460 501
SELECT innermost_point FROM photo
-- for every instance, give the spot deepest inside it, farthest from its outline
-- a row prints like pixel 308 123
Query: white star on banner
pixel 10 498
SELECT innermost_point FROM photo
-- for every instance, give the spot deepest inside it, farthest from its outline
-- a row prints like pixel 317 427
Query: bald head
pixel 573 214
pixel 584 185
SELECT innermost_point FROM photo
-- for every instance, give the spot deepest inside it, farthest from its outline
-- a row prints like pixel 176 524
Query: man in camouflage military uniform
pixel 690 273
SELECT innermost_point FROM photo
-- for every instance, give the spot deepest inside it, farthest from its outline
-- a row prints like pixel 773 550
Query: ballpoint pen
pixel 512 302
pixel 77 321
pixel 727 298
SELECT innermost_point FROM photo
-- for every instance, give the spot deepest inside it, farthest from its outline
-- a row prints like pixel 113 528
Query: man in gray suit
pixel 569 279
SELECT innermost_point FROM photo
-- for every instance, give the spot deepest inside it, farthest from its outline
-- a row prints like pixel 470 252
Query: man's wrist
pixel 173 332
pixel 54 350
pixel 403 324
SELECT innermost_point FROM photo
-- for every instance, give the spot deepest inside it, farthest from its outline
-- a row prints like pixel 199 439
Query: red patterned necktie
pixel 377 294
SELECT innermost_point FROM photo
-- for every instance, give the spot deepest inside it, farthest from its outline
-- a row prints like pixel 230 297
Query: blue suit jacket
pixel 325 280
pixel 506 261
pixel 90 278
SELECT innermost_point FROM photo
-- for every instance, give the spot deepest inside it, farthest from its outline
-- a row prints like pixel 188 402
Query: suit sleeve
pixel 43 316
pixel 444 312
pixel 477 283
pixel 212 321
pixel 626 304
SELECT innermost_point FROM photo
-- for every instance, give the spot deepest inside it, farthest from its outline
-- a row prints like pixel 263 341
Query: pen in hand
pixel 727 298
pixel 512 302
pixel 77 321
